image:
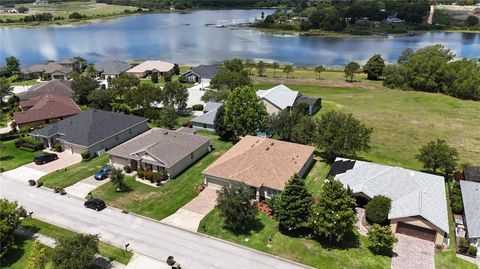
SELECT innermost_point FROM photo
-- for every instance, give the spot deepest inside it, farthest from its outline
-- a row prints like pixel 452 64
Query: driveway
pixel 195 96
pixel 411 252
pixel 145 236
pixel 82 188
pixel 24 173
pixel 189 216
pixel 65 159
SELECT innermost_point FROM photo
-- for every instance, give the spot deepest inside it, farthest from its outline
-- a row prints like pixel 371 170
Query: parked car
pixel 95 203
pixel 103 172
pixel 45 158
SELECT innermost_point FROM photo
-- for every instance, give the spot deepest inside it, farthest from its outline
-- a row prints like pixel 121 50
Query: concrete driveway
pixel 195 96
pixel 145 236
pixel 412 252
pixel 24 173
pixel 189 216
pixel 82 188
pixel 65 159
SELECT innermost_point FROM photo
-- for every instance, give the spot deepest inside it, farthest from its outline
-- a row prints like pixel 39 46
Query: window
pixel 204 126
pixel 191 155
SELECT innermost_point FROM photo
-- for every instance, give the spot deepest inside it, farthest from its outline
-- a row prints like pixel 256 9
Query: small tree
pixel 319 69
pixel 220 128
pixel 245 112
pixel 332 216
pixel 304 131
pixel 293 207
pixel 235 206
pixel 472 21
pixel 12 65
pixel 374 67
pixel 354 135
pixel 90 71
pixel 350 69
pixel 154 77
pixel 117 177
pixel 75 251
pixel 10 214
pixel 378 208
pixel 167 117
pixel 37 258
pixel 261 68
pixel 438 154
pixel 83 86
pixel 382 239
pixel 287 69
pixel 275 66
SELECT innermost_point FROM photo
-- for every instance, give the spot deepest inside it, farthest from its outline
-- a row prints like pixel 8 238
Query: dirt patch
pixel 316 82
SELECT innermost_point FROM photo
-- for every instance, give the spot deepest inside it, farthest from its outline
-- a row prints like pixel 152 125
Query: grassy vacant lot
pixel 405 120
pixel 12 157
pixel 55 232
pixel 303 250
pixel 74 173
pixel 158 203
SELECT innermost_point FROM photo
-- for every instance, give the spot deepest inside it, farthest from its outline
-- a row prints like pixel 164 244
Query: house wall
pixel 189 160
pixel 306 166
pixel 119 160
pixel 271 108
pixel 420 222
pixel 208 127
pixel 119 138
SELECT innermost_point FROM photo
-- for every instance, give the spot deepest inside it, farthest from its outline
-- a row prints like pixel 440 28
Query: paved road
pixel 145 236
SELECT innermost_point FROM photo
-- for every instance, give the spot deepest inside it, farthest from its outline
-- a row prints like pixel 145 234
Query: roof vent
pixel 267 148
pixel 271 144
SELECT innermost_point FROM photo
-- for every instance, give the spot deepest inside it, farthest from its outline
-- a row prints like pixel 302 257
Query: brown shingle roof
pixel 52 87
pixel 46 107
pixel 258 162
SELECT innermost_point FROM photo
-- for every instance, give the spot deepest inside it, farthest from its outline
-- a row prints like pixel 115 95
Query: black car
pixel 45 158
pixel 95 203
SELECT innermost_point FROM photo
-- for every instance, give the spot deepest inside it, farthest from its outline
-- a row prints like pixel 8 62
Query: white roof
pixel 471 206
pixel 280 96
pixel 161 66
pixel 413 193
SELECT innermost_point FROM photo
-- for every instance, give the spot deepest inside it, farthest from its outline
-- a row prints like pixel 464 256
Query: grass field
pixel 403 121
pixel 74 173
pixel 158 203
pixel 55 232
pixel 303 250
pixel 12 157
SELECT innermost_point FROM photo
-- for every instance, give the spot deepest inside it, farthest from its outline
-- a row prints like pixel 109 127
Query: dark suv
pixel 103 172
pixel 45 158
pixel 95 203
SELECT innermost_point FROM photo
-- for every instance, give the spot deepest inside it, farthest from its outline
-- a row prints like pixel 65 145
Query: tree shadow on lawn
pixel 351 240
pixel 5 158
pixel 16 252
pixel 254 227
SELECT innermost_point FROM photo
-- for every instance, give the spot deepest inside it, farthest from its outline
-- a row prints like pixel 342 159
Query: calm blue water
pixel 185 39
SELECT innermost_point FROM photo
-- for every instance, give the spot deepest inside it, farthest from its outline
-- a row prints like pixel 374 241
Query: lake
pixel 207 37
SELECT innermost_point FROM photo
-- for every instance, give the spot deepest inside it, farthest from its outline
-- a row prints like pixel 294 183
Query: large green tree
pixel 227 79
pixel 83 86
pixel 143 95
pixel 350 69
pixel 174 93
pixel 124 83
pixel 5 88
pixel 462 79
pixel 245 112
pixel 117 178
pixel 340 134
pixel 10 214
pixel 437 154
pixel 234 65
pixel 332 216
pixel 101 99
pixel 220 128
pixel 374 67
pixel 167 117
pixel 304 131
pixel 381 239
pixel 12 65
pixel 293 207
pixel 235 206
pixel 75 251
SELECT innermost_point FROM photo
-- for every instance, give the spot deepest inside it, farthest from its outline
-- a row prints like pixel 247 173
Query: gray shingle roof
pixel 206 71
pixel 167 146
pixel 472 173
pixel 90 127
pixel 413 193
pixel 209 106
pixel 471 206
pixel 52 87
pixel 207 118
pixel 112 67
pixel 307 100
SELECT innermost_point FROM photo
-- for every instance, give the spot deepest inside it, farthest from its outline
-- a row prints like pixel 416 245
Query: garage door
pixel 216 183
pixel 415 231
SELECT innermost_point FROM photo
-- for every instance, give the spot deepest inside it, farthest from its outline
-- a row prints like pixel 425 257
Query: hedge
pixel 197 107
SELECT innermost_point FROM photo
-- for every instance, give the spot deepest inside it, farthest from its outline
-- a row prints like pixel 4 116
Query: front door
pixel 133 164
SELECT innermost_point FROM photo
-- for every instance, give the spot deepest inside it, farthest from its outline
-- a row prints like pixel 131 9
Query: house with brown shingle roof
pixel 45 109
pixel 52 69
pixel 52 87
pixel 263 164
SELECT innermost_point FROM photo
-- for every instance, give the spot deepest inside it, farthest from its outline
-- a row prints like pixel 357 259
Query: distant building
pixel 148 67
pixel 207 120
pixel 394 20
pixel 111 69
pixel 200 74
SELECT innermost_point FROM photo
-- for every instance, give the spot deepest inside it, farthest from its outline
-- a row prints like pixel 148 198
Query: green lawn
pixel 74 173
pixel 12 157
pixel 106 250
pixel 405 120
pixel 158 203
pixel 25 83
pixel 302 250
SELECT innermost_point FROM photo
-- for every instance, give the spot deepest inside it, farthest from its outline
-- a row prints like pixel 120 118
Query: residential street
pixel 145 236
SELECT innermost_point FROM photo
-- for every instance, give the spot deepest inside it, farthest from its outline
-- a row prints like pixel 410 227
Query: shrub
pixel 456 199
pixel 197 107
pixel 39 183
pixel 57 147
pixel 472 250
pixel 18 142
pixel 149 176
pixel 86 155
pixel 31 182
pixel 127 169
pixel 141 173
pixel 463 246
pixel 382 239
pixel 378 208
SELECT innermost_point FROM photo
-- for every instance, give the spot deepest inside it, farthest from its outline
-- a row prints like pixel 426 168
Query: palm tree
pixel 117 177
pixel 91 71
pixel 275 66
pixel 319 69
pixel 288 69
